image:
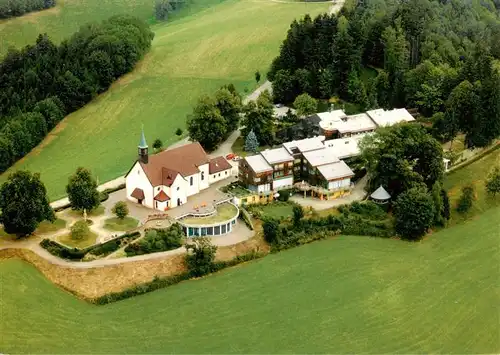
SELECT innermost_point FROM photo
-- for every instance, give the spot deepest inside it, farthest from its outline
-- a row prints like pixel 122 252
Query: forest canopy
pixel 41 83
pixel 439 56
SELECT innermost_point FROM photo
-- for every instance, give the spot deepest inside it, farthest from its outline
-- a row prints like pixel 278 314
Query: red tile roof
pixel 162 168
pixel 138 194
pixel 162 196
pixel 218 164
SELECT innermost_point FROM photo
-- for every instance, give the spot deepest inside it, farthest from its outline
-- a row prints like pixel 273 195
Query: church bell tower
pixel 143 149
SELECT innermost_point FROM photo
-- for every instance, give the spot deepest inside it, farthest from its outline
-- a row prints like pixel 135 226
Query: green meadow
pixel 344 295
pixel 209 44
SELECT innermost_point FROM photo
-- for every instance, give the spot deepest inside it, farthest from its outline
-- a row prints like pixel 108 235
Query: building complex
pixel 317 162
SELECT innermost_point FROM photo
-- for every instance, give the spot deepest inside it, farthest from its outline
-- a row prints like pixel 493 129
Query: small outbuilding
pixel 380 196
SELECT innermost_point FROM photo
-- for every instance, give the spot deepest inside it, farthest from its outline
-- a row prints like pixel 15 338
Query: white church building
pixel 166 180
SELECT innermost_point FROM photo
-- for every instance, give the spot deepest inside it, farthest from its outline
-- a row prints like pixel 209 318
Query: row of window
pixel 210 231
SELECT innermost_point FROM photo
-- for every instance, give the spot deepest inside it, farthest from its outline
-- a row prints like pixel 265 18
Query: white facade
pixel 221 175
pixel 283 183
pixel 137 178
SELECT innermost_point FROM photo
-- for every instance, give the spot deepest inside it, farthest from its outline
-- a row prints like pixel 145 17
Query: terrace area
pixel 221 213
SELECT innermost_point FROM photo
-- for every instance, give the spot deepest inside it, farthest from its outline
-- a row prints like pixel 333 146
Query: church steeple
pixel 143 148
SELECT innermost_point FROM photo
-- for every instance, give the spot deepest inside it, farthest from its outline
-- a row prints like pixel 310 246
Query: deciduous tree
pixel 24 203
pixel 305 105
pixel 120 209
pixel 82 190
pixel 414 213
pixel 200 256
pixel 207 125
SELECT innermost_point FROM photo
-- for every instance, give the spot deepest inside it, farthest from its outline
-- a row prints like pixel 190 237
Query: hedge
pixel 64 252
pixel 245 216
pixel 158 283
pixel 114 244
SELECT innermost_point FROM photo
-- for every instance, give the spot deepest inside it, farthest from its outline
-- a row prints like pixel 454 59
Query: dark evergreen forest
pixel 14 8
pixel 43 82
pixel 439 56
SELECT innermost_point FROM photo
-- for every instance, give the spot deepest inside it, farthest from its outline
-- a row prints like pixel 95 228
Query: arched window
pixel 202 175
pixel 191 181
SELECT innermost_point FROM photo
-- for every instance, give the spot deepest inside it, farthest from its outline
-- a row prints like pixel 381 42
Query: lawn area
pixel 215 43
pixel 44 227
pixel 475 174
pixel 122 225
pixel 345 295
pixel 99 210
pixel 47 227
pixel 90 239
pixel 238 147
pixel 275 209
pixel 65 18
pixel 225 212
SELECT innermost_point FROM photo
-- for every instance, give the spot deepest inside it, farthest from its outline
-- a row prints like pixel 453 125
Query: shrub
pixel 120 209
pixel 284 195
pixel 157 144
pixel 298 214
pixel 493 181
pixel 466 199
pixel 178 132
pixel 200 256
pixel 246 218
pixel 271 230
pixel 79 230
pixel 157 240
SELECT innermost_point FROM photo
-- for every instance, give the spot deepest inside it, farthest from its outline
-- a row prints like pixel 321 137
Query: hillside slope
pixel 350 294
pixel 191 56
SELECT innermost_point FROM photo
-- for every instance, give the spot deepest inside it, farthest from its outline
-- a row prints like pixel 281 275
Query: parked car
pixel 278 105
pixel 230 156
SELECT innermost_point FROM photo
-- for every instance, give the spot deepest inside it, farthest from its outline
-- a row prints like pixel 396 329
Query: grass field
pixel 65 19
pixel 346 295
pixel 194 55
pixel 475 174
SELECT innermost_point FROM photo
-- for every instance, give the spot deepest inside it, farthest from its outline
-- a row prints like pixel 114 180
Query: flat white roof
pixel 321 156
pixel 336 170
pixel 345 147
pixel 276 156
pixel 388 118
pixel 344 124
pixel 258 163
pixel 305 145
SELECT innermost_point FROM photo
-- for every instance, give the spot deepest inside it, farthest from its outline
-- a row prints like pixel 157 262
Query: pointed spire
pixel 142 143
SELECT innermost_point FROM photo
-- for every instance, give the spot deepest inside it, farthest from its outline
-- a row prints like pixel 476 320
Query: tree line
pixel 429 54
pixel 15 8
pixel 215 117
pixel 41 83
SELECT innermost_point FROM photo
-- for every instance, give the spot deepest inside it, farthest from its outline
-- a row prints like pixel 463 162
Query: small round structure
pixel 380 196
pixel 213 224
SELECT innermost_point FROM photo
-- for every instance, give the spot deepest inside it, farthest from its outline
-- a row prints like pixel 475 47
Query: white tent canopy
pixel 380 194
